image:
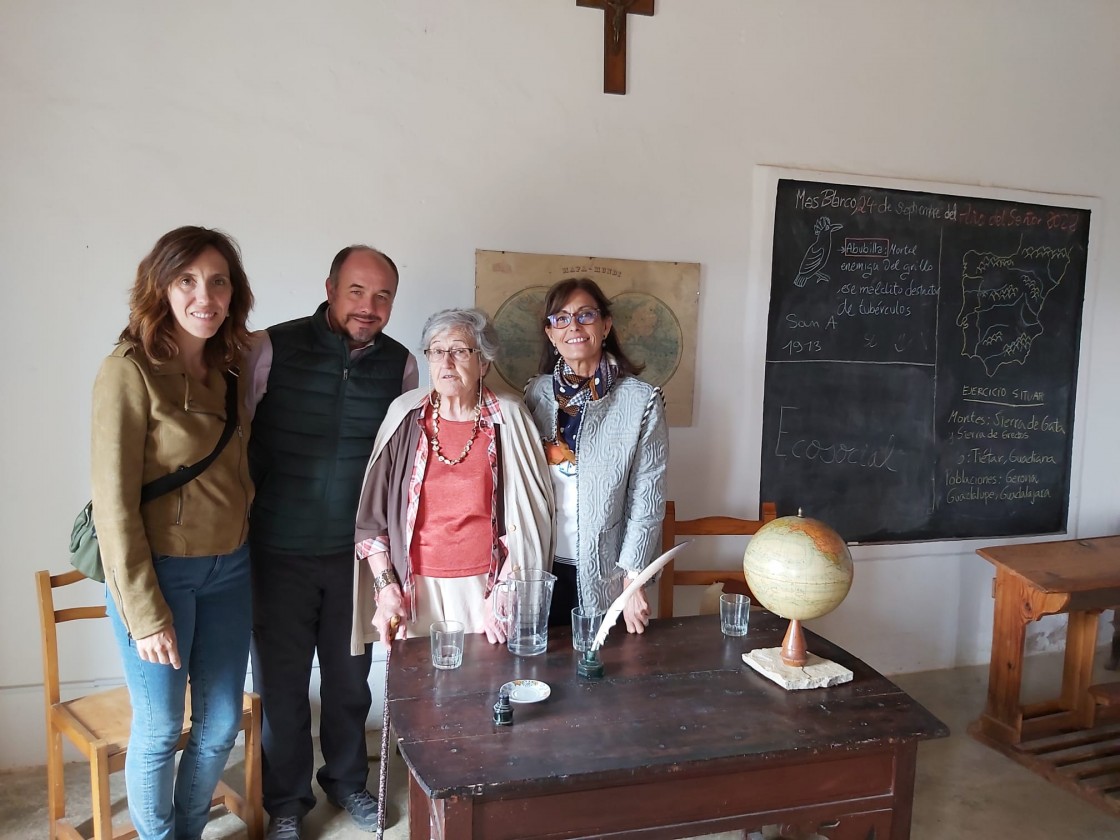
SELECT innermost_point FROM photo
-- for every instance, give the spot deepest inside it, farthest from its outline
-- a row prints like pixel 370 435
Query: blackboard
pixel 921 361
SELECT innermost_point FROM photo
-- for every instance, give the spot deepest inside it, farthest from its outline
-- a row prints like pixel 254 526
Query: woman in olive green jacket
pixel 176 567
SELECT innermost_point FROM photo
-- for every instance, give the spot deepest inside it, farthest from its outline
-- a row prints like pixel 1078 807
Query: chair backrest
pixel 50 618
pixel 672 528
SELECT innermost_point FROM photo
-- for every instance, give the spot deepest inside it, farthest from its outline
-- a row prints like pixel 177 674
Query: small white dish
pixel 527 691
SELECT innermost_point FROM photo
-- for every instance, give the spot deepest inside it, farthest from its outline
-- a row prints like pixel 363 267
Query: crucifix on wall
pixel 615 13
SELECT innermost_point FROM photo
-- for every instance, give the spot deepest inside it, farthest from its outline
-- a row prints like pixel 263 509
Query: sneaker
pixel 362 808
pixel 284 828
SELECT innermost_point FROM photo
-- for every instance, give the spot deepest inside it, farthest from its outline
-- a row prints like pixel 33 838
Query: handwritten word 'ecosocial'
pixel 857 453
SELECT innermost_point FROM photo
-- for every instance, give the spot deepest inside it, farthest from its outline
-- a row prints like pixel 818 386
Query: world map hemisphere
pixel 649 330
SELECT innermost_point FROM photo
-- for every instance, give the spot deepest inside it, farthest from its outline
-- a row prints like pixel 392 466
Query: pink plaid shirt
pixel 491 414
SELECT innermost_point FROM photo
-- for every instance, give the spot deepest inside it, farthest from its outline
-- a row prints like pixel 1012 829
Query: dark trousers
pixel 565 595
pixel 302 605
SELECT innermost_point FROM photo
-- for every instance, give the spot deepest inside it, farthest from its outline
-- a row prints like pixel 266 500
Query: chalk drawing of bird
pixel 817 254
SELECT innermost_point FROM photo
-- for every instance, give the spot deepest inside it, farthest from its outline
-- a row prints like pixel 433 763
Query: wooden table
pixel 1079 577
pixel 680 738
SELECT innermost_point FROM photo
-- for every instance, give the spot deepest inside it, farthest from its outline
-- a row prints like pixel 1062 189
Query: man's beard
pixel 360 332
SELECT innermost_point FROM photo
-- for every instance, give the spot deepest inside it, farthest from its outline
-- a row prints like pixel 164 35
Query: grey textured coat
pixel 622 451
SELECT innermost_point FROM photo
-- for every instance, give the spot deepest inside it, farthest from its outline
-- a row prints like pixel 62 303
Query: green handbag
pixel 85 553
pixel 85 556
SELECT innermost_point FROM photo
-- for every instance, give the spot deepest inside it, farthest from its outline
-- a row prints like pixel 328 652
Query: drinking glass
pixel 447 644
pixel 734 613
pixel 585 624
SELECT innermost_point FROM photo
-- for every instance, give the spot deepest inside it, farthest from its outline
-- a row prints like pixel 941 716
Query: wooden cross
pixel 615 13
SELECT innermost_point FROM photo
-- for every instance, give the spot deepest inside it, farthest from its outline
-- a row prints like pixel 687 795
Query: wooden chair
pixel 672 528
pixel 1113 663
pixel 98 725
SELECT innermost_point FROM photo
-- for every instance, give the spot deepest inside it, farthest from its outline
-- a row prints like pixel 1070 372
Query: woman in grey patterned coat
pixel 607 447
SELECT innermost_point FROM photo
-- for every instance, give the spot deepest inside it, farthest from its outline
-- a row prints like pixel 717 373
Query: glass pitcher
pixel 521 603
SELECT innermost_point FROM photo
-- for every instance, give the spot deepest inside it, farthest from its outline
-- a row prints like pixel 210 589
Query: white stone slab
pixel 817 672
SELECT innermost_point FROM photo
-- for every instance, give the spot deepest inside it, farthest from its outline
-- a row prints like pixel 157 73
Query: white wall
pixel 434 127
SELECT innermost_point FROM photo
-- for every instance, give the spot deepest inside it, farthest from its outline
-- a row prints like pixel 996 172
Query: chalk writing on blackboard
pixel 921 361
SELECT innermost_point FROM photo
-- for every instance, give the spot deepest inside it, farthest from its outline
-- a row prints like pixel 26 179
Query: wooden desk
pixel 1079 577
pixel 680 738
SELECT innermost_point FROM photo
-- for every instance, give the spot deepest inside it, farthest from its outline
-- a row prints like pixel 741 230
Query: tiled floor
pixel 965 791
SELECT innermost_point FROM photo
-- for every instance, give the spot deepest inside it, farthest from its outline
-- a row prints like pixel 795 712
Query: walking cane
pixel 383 771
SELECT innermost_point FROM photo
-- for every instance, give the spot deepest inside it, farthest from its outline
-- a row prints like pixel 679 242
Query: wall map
pixel 654 304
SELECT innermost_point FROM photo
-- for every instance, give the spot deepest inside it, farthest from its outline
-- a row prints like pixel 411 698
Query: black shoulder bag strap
pixel 172 481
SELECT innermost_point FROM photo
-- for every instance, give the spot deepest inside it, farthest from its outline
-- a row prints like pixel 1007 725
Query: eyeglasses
pixel 459 354
pixel 584 317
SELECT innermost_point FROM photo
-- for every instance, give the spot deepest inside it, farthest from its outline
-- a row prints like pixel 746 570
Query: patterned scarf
pixel 573 392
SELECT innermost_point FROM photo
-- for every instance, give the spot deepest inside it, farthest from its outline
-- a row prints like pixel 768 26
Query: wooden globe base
pixel 793 646
pixel 792 667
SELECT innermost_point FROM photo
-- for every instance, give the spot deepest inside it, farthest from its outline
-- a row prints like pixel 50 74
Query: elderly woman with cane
pixel 456 494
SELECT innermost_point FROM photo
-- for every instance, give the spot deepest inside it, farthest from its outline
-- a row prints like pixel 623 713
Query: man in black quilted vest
pixel 322 386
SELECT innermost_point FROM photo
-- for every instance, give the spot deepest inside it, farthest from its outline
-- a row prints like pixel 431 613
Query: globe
pixel 798 568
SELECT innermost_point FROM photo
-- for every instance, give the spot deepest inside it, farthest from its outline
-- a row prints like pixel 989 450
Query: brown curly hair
pixel 151 323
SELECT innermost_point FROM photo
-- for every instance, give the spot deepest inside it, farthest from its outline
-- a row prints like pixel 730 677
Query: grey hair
pixel 474 322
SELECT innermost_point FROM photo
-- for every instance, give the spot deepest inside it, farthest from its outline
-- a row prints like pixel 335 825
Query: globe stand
pixel 792 667
pixel 793 646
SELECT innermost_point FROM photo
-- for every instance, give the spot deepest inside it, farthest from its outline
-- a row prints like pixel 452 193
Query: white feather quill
pixel 615 609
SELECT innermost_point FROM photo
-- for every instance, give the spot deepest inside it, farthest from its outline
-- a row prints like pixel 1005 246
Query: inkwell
pixel 590 666
pixel 503 711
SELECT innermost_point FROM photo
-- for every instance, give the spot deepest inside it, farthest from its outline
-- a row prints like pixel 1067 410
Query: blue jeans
pixel 211 612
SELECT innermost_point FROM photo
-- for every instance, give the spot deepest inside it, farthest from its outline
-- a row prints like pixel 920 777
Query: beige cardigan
pixel 526 499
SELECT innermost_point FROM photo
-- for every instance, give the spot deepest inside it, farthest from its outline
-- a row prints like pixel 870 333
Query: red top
pixel 454 528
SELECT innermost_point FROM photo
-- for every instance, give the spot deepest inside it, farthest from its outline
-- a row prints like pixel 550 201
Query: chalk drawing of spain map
pixel 1004 296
